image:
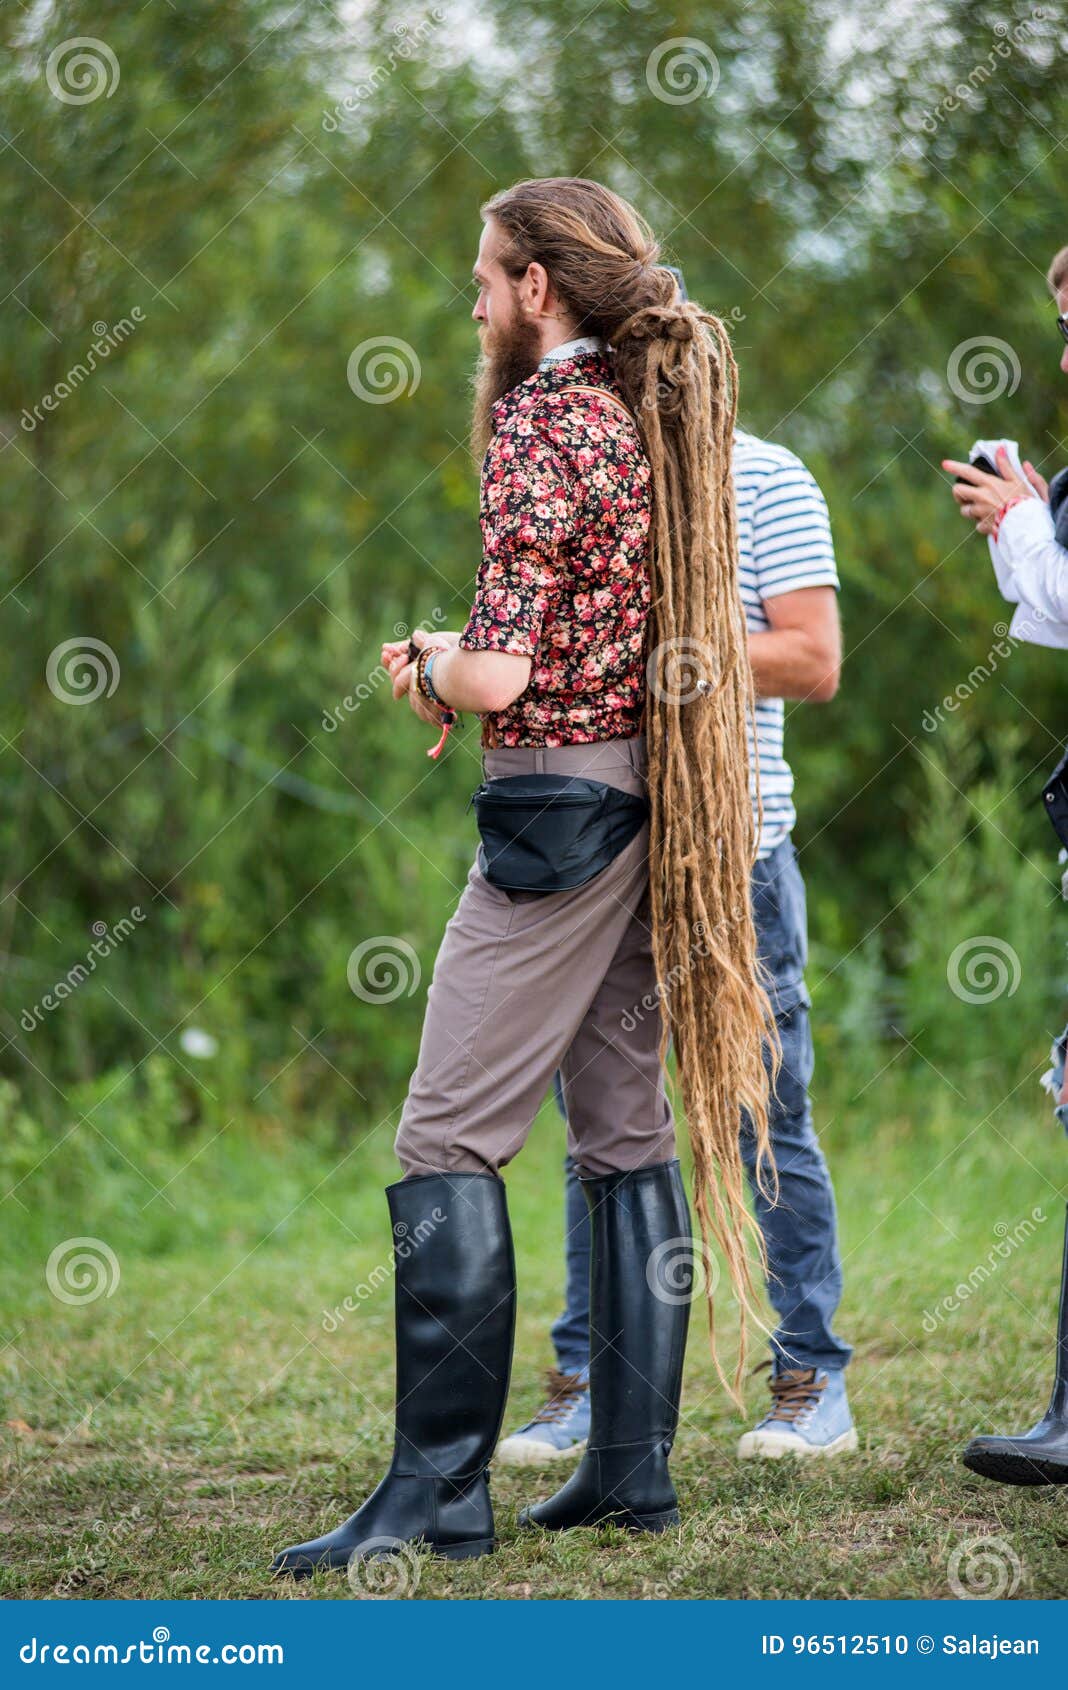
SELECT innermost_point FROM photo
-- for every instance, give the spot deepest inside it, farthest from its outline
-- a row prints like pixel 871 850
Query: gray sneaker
pixel 560 1428
pixel 809 1416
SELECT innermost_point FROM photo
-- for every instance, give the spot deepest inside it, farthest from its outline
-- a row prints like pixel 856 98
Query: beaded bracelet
pixel 424 686
pixel 1004 511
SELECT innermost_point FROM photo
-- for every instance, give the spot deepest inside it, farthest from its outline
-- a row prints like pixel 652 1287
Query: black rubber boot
pixel 641 1286
pixel 1040 1456
pixel 455 1316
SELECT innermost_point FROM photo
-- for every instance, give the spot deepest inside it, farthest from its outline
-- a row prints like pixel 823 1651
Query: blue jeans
pixel 801 1230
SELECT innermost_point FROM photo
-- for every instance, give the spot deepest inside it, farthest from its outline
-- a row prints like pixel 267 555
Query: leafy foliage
pixel 273 187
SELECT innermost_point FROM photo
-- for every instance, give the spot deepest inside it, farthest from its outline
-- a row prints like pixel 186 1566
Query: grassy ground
pixel 165 1439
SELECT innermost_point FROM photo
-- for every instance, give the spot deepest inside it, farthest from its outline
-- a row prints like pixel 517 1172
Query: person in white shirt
pixel 1026 522
pixel 1027 528
pixel 789 582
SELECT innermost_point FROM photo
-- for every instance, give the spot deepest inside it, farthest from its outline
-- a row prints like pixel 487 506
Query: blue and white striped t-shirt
pixel 784 543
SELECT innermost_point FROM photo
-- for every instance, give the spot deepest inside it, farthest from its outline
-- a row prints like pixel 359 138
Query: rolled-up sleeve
pixel 1032 572
pixel 792 545
pixel 528 514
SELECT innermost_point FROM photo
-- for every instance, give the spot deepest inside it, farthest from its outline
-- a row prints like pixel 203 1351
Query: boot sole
pixel 644 1522
pixel 466 1551
pixel 517 1452
pixel 773 1446
pixel 1020 1470
pixel 446 1552
pixel 652 1523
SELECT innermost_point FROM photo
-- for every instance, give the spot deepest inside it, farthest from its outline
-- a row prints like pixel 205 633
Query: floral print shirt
pixel 565 514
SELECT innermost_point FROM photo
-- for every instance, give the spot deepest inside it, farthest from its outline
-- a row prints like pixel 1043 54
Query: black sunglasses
pixel 1062 324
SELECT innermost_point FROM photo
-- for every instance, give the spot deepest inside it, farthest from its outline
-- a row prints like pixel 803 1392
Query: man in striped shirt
pixel 789 585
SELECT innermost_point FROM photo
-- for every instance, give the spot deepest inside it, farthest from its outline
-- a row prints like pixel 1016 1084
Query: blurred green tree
pixel 266 216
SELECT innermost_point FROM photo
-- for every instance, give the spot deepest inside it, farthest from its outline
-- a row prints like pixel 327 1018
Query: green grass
pixel 164 1440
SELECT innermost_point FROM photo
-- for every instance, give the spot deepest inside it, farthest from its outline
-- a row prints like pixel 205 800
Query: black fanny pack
pixel 551 833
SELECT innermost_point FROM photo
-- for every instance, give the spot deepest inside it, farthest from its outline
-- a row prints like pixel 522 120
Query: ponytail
pixel 677 371
pixel 675 368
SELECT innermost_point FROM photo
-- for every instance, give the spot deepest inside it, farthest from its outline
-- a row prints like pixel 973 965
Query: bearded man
pixel 617 839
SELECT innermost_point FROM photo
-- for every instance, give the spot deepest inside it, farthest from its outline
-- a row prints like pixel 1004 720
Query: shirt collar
pixel 573 349
pixel 553 373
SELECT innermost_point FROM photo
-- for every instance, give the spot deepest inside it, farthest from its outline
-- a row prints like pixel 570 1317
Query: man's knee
pixel 788 1105
pixel 416 1154
pixel 605 1140
pixel 423 1143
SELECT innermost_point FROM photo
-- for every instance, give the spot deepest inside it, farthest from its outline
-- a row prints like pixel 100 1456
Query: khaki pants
pixel 528 983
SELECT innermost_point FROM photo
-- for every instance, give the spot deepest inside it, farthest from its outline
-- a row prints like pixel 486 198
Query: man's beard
pixel 508 357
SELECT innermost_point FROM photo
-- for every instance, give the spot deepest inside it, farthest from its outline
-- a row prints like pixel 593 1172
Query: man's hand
pixel 981 496
pixel 395 658
pixel 421 706
pixel 402 672
pixel 479 681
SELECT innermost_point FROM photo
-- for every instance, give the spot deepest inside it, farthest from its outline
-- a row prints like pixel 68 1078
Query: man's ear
pixel 538 288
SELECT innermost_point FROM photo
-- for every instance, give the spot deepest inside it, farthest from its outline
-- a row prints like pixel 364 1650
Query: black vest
pixel 1055 791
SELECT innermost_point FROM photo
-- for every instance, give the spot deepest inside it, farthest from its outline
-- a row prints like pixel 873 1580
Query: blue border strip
pixel 441 1644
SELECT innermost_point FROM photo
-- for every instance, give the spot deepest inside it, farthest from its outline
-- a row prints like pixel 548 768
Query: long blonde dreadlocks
pixel 674 365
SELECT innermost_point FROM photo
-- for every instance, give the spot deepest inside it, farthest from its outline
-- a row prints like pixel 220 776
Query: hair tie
pixel 656 322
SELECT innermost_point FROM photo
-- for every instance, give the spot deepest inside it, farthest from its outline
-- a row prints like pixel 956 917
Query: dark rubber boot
pixel 641 1285
pixel 455 1315
pixel 1040 1456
